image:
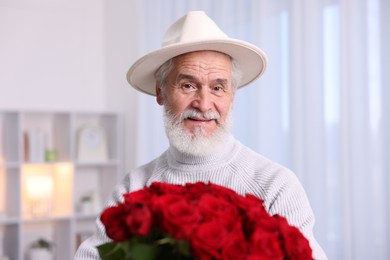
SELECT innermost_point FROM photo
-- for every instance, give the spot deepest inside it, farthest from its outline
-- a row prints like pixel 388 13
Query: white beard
pixel 196 143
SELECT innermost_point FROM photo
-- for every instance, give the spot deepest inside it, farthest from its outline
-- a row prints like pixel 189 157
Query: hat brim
pixel 251 60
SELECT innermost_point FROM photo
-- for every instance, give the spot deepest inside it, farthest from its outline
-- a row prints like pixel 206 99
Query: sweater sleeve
pixel 288 198
pixel 87 250
pixel 281 192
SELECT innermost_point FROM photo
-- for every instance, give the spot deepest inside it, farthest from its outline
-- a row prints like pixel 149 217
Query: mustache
pixel 196 114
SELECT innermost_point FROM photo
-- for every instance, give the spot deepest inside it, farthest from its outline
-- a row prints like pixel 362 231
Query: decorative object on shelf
pixel 90 203
pixel 197 221
pixel 41 249
pixel 92 144
pixel 47 189
pixel 86 204
pixel 51 155
pixel 38 189
pixel 40 193
pixel 35 145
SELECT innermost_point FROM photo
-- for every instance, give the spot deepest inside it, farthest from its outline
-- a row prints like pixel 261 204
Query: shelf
pixel 4 220
pixel 32 220
pixel 94 164
pixel 10 189
pixel 10 239
pixel 57 232
pixel 10 165
pixel 86 216
pixel 51 129
pixel 37 198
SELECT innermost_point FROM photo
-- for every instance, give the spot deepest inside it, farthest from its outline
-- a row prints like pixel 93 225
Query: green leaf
pixel 113 250
pixel 144 252
pixel 139 248
pixel 181 247
pixel 167 240
pixel 184 247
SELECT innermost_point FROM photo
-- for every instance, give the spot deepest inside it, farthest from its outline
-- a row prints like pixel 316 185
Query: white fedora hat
pixel 196 32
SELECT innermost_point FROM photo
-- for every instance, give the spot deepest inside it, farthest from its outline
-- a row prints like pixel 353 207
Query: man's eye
pixel 188 86
pixel 218 88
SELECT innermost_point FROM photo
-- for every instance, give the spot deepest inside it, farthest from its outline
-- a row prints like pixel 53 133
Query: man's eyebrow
pixel 221 81
pixel 185 77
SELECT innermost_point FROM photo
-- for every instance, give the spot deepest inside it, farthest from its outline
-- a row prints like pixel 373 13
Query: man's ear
pixel 159 95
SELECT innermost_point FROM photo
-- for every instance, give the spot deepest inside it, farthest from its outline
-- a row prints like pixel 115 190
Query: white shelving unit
pixel 67 221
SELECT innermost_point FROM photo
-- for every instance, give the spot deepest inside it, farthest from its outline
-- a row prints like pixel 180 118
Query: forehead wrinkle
pixel 182 62
pixel 221 81
pixel 206 69
pixel 183 76
pixel 199 70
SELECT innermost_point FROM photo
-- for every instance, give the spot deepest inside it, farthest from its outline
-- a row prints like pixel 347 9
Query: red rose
pixel 217 223
pixel 160 188
pixel 139 220
pixel 296 246
pixel 197 188
pixel 194 190
pixel 140 196
pixel 211 207
pixel 265 244
pixel 224 192
pixel 236 246
pixel 256 219
pixel 251 202
pixel 175 215
pixel 208 240
pixel 113 220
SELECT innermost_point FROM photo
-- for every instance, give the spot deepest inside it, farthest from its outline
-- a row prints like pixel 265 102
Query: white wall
pixel 52 55
pixel 70 55
pixel 122 49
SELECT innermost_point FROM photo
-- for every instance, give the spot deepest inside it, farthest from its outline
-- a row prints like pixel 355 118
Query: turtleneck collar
pixel 179 159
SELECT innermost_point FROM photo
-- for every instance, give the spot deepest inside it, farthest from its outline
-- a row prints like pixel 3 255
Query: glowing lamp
pixel 39 187
pixel 47 189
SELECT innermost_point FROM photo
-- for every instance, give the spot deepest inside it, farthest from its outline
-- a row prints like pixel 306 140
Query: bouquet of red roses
pixel 197 221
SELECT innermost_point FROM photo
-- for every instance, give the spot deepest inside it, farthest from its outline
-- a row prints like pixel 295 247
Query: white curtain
pixel 320 109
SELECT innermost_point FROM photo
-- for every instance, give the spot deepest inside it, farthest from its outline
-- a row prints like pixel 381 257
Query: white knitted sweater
pixel 235 166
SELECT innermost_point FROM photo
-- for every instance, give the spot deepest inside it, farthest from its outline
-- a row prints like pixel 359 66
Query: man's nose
pixel 202 100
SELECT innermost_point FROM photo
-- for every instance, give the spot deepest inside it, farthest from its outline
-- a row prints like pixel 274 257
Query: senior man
pixel 194 76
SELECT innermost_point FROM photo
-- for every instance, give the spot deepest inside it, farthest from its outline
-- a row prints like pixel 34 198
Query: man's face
pixel 199 81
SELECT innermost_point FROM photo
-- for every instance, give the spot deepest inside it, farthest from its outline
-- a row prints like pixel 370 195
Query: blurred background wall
pixel 321 108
